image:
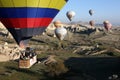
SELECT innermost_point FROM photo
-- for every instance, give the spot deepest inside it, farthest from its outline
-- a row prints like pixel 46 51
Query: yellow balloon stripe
pixel 56 4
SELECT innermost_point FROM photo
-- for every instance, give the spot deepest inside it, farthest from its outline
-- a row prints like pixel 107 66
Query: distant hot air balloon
pixel 60 33
pixel 107 25
pixel 92 23
pixel 70 15
pixel 57 23
pixel 26 18
pixel 91 12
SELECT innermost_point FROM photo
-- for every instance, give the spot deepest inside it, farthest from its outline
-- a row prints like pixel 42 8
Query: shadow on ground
pixel 95 68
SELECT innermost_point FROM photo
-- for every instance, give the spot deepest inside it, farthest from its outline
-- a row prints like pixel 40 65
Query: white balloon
pixel 70 15
pixel 60 33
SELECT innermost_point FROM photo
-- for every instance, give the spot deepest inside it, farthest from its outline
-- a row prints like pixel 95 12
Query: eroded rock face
pixel 4 32
pixel 9 53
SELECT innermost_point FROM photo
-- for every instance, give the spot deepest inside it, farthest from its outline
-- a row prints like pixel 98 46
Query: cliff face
pixel 9 52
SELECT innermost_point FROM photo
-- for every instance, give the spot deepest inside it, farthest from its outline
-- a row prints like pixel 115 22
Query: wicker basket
pixel 27 63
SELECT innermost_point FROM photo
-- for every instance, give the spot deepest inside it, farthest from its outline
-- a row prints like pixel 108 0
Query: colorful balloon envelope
pixel 26 18
pixel 60 33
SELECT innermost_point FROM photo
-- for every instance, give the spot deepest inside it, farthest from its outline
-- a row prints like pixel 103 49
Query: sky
pixel 103 10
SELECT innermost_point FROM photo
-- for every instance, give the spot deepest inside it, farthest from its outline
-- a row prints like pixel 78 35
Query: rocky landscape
pixel 85 51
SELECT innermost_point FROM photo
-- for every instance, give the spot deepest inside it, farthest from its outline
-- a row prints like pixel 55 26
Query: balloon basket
pixel 27 63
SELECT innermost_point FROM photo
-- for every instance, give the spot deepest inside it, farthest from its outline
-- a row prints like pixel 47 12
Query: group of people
pixel 28 53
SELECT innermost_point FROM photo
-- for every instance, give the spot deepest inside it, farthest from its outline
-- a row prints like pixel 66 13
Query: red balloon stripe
pixel 26 22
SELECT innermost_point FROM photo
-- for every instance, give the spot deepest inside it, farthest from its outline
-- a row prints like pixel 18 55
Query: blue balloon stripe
pixel 27 12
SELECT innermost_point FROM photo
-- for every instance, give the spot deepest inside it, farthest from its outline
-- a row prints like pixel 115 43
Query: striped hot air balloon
pixel 26 18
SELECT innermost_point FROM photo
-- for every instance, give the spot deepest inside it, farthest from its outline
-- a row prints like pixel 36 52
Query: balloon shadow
pixel 98 67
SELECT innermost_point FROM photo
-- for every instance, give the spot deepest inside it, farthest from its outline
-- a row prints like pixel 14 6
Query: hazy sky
pixel 103 10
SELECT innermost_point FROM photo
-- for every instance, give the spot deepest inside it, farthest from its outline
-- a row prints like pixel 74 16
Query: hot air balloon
pixel 26 18
pixel 70 15
pixel 92 23
pixel 91 12
pixel 57 23
pixel 107 25
pixel 60 31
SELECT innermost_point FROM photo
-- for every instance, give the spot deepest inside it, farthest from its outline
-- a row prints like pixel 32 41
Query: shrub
pixel 56 68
